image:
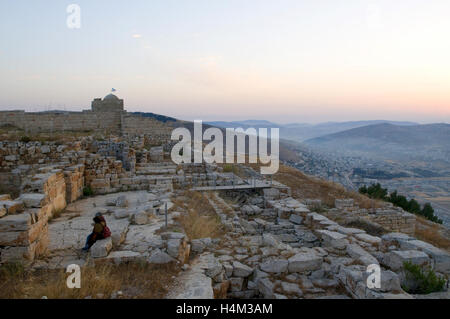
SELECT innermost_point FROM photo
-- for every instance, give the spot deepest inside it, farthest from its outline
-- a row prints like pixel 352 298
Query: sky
pixel 284 61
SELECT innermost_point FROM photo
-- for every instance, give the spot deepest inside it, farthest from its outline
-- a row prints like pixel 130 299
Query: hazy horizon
pixel 286 61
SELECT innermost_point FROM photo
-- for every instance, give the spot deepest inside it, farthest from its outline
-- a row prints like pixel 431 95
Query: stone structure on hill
pixel 110 103
pixel 106 115
pixel 270 244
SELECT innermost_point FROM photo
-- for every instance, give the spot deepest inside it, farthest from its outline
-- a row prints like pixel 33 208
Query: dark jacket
pixel 100 224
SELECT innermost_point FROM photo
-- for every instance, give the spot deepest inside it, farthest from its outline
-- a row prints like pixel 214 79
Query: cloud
pixel 137 36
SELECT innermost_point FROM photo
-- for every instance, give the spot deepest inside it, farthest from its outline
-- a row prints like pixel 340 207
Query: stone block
pixel 274 265
pixel 140 218
pixel 440 258
pixel 241 270
pixel 173 247
pixel 395 259
pixel 304 261
pixel 12 206
pixel 291 289
pixel 373 240
pixel 33 200
pixel 124 256
pixel 101 248
pixel 266 288
pixel 357 252
pixel 122 201
pixel 296 219
pixel 159 257
pixel 333 239
pixel 20 222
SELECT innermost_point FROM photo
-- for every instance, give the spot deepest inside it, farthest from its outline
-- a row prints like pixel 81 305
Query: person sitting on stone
pixel 100 231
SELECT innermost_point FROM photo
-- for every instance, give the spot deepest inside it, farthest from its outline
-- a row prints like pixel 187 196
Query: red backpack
pixel 106 232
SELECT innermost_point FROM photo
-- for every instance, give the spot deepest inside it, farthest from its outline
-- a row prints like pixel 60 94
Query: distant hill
pixel 303 131
pixel 161 118
pixel 430 141
pixel 244 124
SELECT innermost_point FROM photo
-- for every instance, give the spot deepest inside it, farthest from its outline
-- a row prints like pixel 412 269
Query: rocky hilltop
pixel 227 232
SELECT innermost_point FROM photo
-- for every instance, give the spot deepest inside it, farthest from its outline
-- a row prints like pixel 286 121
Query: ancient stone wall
pixel 74 179
pixel 24 226
pixel 389 217
pixel 395 220
pixel 135 125
pixel 88 121
pixel 84 121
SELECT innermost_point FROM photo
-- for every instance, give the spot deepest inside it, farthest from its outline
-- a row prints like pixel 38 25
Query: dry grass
pixel 200 220
pixel 304 186
pixel 134 280
pixel 222 204
pixel 432 233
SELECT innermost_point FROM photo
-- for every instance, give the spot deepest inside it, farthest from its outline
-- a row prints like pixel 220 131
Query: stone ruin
pixel 48 177
pixel 106 115
pixel 275 246
pixel 388 216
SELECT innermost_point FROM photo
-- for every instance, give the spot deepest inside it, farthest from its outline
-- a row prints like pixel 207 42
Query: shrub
pixel 421 281
pixel 412 206
pixel 25 139
pixel 374 191
pixel 228 168
pixel 87 191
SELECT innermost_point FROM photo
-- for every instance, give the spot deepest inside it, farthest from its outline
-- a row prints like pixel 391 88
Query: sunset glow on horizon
pixel 284 61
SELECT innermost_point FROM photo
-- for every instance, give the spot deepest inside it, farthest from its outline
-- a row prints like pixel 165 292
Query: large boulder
pixel 124 256
pixel 390 281
pixel 173 247
pixel 357 252
pixel 20 222
pixel 333 239
pixel 372 240
pixel 440 258
pixel 296 219
pixel 159 257
pixel 101 248
pixel 213 268
pixel 395 259
pixel 274 265
pixel 121 213
pixel 199 245
pixel 33 200
pixel 291 288
pixel 271 193
pixel 140 218
pixel 304 261
pixel 266 288
pixel 394 239
pixel 241 270
pixel 12 206
pixel 122 201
